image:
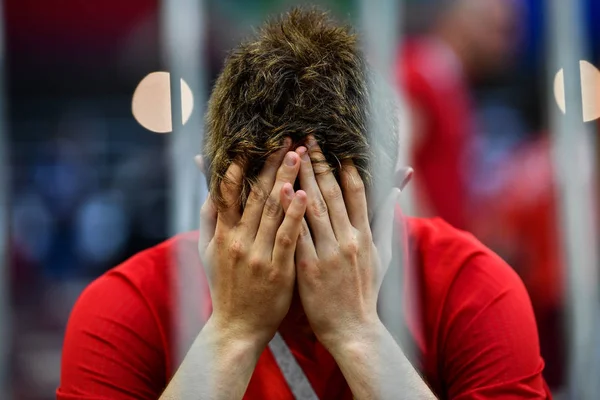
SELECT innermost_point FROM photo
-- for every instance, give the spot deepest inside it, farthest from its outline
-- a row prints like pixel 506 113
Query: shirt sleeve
pixel 491 347
pixel 112 347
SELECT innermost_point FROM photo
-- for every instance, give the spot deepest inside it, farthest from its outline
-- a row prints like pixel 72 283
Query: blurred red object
pixel 520 222
pixel 73 22
pixel 433 79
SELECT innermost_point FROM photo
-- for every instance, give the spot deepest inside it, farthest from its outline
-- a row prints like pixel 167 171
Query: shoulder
pixel 151 276
pixel 125 315
pixel 151 269
pixel 478 317
pixel 443 250
pixel 456 273
pixel 451 260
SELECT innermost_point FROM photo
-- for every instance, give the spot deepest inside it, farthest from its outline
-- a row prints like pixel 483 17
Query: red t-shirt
pixel 468 315
pixel 432 79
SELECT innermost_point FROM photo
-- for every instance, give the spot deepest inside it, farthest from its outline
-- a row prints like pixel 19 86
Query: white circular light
pixel 590 90
pixel 151 103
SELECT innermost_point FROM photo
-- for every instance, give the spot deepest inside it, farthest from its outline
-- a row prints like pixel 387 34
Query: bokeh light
pixel 151 104
pixel 590 90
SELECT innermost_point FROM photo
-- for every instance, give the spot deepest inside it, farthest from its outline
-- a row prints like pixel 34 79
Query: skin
pixel 255 258
pixel 482 33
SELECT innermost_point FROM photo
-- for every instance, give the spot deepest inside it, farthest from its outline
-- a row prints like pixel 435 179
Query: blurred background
pixel 88 186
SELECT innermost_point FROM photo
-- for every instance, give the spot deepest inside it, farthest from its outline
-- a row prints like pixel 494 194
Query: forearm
pixel 376 368
pixel 217 366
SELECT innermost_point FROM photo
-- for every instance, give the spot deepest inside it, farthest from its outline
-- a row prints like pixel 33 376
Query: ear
pixel 200 164
pixel 403 177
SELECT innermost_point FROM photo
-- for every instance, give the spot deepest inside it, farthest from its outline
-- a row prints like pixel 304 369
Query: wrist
pixel 226 335
pixel 354 339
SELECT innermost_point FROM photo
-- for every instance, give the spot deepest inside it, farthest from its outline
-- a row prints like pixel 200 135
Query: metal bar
pixel 183 39
pixel 183 36
pixel 5 310
pixel 380 30
pixel 574 168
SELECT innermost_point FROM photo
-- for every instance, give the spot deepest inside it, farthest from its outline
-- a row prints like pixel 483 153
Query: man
pixel 466 41
pixel 295 256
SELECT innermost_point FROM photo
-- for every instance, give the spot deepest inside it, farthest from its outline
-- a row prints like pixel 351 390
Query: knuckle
pixel 319 163
pixel 354 184
pixel 273 162
pixel 284 240
pixel 228 185
pixel 304 232
pixel 257 264
pixel 305 263
pixel 333 258
pixel 220 238
pixel 274 275
pixel 319 207
pixel 273 208
pixel 334 192
pixel 350 248
pixel 256 195
pixel 237 250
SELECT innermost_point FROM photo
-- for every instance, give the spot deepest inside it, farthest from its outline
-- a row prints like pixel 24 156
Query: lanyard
pixel 291 370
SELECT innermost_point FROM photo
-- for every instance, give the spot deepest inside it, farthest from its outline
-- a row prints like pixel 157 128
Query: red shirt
pixel 473 327
pixel 432 79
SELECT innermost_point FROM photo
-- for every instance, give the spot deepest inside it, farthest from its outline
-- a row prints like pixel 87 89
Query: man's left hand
pixel 340 261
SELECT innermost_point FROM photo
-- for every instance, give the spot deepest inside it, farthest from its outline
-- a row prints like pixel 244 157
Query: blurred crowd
pixel 89 186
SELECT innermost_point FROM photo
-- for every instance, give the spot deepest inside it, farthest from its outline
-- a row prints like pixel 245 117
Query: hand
pixel 249 256
pixel 338 264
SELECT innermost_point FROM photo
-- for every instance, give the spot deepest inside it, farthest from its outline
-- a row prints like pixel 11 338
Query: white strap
pixel 291 370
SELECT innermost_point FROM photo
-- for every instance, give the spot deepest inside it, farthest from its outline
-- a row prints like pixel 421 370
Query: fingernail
pixel 287 142
pixel 302 153
pixel 311 142
pixel 301 194
pixel 290 159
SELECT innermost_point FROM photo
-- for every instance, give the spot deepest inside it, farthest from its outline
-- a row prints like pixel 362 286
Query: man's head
pixel 301 74
pixel 485 31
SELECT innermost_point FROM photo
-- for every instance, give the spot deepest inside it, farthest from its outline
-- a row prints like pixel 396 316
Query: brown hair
pixel 301 74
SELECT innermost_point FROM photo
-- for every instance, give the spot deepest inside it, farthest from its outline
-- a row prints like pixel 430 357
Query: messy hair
pixel 300 74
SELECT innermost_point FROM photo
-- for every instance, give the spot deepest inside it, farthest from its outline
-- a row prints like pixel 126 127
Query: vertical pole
pixel 5 312
pixel 574 169
pixel 183 36
pixel 380 29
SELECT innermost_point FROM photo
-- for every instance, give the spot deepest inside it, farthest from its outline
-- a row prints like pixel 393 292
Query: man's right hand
pixel 249 255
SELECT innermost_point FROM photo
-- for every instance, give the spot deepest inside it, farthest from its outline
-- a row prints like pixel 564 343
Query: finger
pixel 272 214
pixel 231 189
pixel 330 189
pixel 383 227
pixel 355 196
pixel 306 253
pixel 316 211
pixel 287 235
pixel 305 244
pixel 263 186
pixel 208 223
